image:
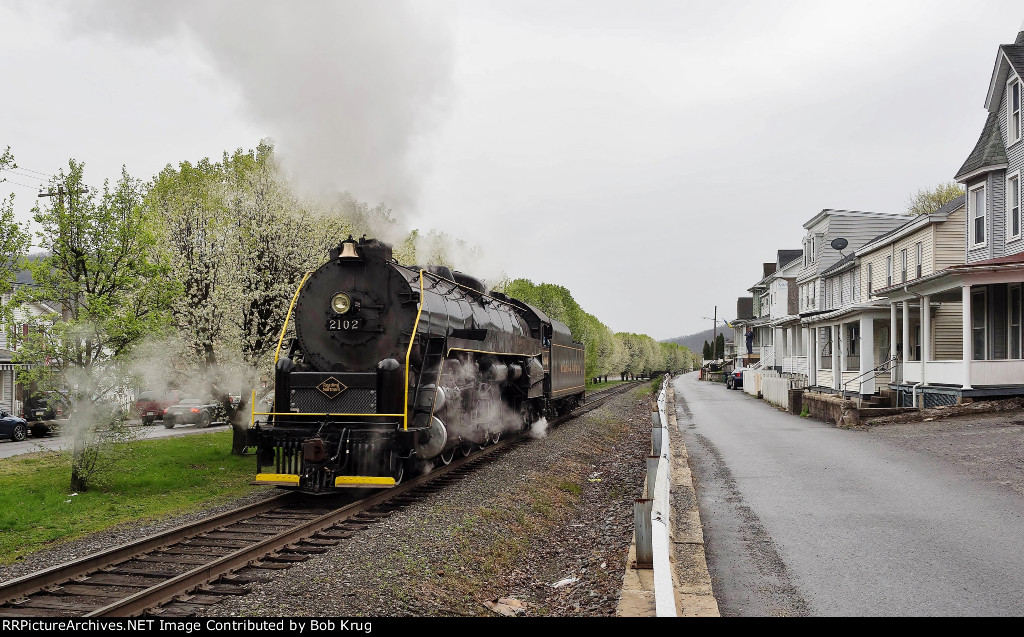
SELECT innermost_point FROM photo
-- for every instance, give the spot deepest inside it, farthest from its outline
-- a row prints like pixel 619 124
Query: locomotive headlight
pixel 341 303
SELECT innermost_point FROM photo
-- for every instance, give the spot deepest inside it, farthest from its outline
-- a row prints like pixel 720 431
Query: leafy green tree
pixel 930 200
pixel 106 290
pixel 720 346
pixel 707 351
pixel 14 244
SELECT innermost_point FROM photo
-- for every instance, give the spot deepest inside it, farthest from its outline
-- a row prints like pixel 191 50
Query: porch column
pixel 926 335
pixel 777 347
pixel 836 349
pixel 906 335
pixel 892 342
pixel 968 336
pixel 812 356
pixel 867 354
pixel 843 364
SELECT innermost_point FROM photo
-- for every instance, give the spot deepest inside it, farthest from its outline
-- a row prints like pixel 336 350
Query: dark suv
pixel 150 405
pixel 45 412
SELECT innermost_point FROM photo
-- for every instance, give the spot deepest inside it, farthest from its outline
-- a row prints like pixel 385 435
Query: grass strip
pixel 144 481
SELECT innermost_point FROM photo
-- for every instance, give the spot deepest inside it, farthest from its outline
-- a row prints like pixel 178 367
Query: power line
pixel 31 171
pixel 20 172
pixel 18 183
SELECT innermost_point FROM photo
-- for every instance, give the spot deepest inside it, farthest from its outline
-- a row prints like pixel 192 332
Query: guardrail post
pixel 652 474
pixel 644 533
pixel 655 432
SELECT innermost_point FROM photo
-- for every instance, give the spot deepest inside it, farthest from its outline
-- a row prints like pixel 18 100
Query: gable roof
pixel 788 256
pixel 989 152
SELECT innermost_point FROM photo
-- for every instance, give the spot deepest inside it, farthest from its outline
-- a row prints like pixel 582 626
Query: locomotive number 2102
pixel 344 324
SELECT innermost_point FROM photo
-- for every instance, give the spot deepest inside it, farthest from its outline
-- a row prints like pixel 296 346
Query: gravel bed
pixel 546 527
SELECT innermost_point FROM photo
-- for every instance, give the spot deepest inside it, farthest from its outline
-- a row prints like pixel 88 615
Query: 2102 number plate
pixel 349 325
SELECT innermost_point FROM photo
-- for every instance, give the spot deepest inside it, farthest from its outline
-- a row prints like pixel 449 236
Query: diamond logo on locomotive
pixel 332 387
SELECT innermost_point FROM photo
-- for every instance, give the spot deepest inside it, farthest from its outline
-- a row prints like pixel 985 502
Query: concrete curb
pixel 691 579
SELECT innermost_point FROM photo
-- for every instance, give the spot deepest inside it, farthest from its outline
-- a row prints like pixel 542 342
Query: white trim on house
pixel 972 216
pixel 1009 208
pixel 1012 138
pixel 982 171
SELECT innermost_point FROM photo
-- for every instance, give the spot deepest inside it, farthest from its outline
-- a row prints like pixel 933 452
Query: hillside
pixel 696 341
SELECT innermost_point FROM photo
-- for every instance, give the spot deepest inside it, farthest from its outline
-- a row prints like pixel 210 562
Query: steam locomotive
pixel 394 365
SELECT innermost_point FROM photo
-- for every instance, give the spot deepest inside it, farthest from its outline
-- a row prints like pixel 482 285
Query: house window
pixel 1013 110
pixel 920 259
pixel 1013 205
pixel 853 338
pixel 1015 321
pixel 903 265
pixel 888 270
pixel 978 323
pixel 976 203
pixel 869 279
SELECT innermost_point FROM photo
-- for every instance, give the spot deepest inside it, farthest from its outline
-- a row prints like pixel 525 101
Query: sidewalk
pixel 691 580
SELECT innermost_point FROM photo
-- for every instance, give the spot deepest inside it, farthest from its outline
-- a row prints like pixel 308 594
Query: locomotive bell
pixel 348 250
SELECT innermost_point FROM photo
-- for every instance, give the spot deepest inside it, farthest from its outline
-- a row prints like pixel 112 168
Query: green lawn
pixel 611 383
pixel 148 480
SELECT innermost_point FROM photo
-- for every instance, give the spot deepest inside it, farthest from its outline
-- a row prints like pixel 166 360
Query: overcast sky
pixel 649 156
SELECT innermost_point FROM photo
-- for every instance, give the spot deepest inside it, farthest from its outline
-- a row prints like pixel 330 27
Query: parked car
pixel 150 405
pixel 45 412
pixel 192 411
pixel 12 427
pixel 735 378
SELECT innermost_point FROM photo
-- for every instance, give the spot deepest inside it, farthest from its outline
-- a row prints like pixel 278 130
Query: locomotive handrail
pixel 297 413
pixel 408 354
pixel 284 328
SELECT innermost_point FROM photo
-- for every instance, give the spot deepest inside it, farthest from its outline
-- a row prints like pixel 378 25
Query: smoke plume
pixel 344 88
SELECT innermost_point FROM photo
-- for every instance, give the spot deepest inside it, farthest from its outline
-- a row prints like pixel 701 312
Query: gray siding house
pixel 988 284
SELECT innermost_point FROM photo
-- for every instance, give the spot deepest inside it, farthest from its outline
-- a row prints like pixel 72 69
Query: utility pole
pixel 714 337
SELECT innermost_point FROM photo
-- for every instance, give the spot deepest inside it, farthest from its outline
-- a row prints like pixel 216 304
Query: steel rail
pixel 35 582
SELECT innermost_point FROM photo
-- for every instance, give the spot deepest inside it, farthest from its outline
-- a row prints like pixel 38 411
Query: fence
pixel 753 379
pixel 776 390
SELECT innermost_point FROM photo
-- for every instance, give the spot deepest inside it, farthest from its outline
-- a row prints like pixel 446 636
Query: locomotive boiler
pixel 392 365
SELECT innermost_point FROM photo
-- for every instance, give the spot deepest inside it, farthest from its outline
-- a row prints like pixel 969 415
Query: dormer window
pixel 1013 99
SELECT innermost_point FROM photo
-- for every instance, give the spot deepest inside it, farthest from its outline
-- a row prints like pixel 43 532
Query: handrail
pixel 881 367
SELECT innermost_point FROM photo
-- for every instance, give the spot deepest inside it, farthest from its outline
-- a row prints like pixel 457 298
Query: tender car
pixel 12 427
pixel 150 405
pixel 192 411
pixel 46 412
pixel 734 380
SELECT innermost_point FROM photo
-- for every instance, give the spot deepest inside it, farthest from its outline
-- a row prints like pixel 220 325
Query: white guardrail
pixel 651 515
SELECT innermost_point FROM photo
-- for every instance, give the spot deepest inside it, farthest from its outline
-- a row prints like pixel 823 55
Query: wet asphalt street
pixel 802 518
pixel 9 448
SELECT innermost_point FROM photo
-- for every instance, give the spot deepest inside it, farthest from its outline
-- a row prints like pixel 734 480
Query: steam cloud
pixel 345 88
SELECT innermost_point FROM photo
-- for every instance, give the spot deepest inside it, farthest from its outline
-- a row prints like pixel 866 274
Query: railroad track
pixel 176 572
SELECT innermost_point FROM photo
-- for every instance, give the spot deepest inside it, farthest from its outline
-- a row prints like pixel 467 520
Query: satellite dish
pixel 839 244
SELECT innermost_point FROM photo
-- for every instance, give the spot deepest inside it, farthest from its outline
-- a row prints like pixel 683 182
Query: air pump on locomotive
pixel 392 365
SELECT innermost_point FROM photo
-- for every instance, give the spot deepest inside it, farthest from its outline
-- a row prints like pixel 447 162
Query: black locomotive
pixel 392 365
